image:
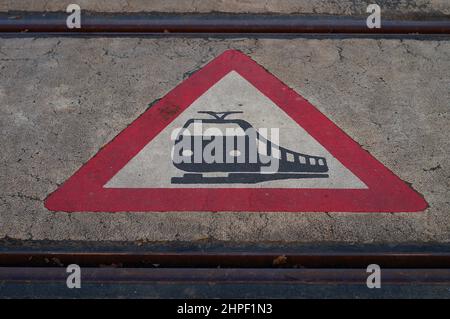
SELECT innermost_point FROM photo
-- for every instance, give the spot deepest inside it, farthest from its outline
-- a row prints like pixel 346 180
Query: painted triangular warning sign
pixel 232 137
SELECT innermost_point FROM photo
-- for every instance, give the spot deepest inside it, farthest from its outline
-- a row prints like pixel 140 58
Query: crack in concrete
pixel 23 196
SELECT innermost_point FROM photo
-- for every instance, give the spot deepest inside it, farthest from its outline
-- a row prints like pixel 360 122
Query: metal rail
pixel 246 259
pixel 232 275
pixel 38 270
pixel 55 22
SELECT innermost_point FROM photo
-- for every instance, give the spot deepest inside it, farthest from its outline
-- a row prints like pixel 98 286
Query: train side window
pixel 235 153
pixel 321 162
pixel 276 153
pixel 302 159
pixel 187 153
pixel 312 161
pixel 290 157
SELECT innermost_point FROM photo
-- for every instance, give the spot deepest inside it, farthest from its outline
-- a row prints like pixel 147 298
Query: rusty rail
pixel 39 270
pixel 247 259
pixel 55 22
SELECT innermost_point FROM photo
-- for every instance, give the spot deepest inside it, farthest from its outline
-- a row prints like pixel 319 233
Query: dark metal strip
pixel 248 276
pixel 55 22
pixel 245 259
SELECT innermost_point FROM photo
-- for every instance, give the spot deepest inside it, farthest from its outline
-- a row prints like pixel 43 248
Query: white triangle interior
pixel 152 167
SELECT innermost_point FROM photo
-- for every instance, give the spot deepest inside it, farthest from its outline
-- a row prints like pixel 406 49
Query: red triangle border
pixel 84 192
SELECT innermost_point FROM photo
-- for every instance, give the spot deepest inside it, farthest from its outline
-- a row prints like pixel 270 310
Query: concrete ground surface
pixel 390 8
pixel 62 99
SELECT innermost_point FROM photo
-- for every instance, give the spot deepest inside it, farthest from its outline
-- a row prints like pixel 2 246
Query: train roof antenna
pixel 219 115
